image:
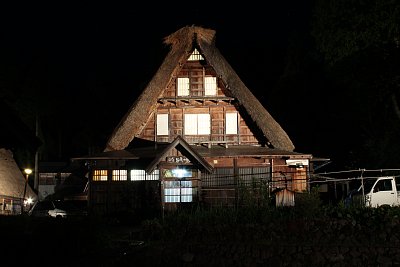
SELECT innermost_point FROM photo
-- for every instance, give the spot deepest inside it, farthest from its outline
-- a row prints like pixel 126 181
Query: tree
pixel 359 41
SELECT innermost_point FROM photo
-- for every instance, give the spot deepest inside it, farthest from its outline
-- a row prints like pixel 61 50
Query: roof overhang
pixel 180 144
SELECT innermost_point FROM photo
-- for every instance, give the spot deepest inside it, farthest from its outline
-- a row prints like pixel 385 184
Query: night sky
pixel 82 66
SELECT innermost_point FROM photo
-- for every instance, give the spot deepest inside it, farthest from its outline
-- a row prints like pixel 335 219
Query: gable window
pixel 231 123
pixel 100 175
pixel 119 175
pixel 182 85
pixel 162 124
pixel 195 55
pixel 210 86
pixel 197 124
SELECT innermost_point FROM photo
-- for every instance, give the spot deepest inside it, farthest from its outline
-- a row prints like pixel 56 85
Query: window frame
pixel 182 86
pixel 210 87
pixel 231 123
pixel 197 124
pixel 162 124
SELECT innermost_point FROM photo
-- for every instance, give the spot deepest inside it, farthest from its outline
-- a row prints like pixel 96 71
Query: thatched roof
pixel 181 43
pixel 12 181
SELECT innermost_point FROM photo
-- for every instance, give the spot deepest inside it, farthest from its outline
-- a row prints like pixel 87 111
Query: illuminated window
pixel 119 175
pixel 197 124
pixel 155 175
pixel 138 175
pixel 183 85
pixel 231 123
pixel 195 56
pixel 162 124
pixel 210 86
pixel 141 175
pixel 100 175
pixel 178 191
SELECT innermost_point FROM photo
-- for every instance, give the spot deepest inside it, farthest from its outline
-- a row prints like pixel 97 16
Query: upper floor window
pixel 199 87
pixel 195 56
pixel 100 175
pixel 231 123
pixel 197 124
pixel 183 86
pixel 210 86
pixel 162 124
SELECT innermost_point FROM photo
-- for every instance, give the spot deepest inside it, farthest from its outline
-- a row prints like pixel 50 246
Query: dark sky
pixel 86 63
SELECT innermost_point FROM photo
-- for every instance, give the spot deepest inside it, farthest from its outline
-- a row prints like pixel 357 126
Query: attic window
pixel 162 124
pixel 195 56
pixel 210 86
pixel 183 86
pixel 231 126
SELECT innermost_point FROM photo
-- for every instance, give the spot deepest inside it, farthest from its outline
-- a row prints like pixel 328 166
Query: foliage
pixel 308 204
pixel 360 42
pixel 345 27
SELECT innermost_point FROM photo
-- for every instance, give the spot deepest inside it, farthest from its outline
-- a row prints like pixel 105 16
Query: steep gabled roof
pixel 182 43
pixel 12 181
pixel 180 144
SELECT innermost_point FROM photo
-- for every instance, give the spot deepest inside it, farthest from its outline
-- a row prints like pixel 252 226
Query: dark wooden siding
pixel 141 197
pixel 197 103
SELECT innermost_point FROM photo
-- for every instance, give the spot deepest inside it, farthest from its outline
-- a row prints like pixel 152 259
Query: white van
pixel 378 191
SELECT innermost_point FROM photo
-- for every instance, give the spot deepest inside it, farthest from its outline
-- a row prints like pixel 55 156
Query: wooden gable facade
pixel 195 135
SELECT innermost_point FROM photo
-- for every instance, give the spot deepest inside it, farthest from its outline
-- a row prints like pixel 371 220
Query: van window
pixel 384 185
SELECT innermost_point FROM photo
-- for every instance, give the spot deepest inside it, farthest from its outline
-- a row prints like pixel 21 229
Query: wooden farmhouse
pixel 195 135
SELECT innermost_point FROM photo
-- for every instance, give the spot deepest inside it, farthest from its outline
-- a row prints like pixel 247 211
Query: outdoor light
pixel 29 201
pixel 180 173
pixel 27 172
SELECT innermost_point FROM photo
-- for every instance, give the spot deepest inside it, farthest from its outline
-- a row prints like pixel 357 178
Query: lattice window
pixel 138 175
pixel 178 191
pixel 119 175
pixel 183 85
pixel 210 86
pixel 141 175
pixel 195 56
pixel 155 175
pixel 100 175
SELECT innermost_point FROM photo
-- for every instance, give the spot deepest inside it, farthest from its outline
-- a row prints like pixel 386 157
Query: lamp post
pixel 27 172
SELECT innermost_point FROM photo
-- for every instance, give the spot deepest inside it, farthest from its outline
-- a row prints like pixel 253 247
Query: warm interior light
pixel 28 171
